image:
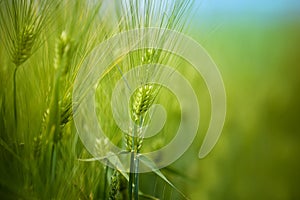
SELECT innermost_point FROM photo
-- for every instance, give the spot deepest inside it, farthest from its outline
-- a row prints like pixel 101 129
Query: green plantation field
pixel 43 157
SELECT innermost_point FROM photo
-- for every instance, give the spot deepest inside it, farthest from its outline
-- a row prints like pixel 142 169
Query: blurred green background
pixel 256 47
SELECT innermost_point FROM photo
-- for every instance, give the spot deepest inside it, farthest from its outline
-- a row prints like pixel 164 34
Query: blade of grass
pixel 153 167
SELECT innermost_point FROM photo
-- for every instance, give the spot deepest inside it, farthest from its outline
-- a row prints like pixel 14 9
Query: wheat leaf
pixel 113 160
pixel 146 196
pixel 154 169
pixel 5 146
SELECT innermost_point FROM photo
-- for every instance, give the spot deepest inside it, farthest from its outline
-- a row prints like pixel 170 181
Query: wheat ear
pixel 23 45
pixel 115 186
pixel 142 99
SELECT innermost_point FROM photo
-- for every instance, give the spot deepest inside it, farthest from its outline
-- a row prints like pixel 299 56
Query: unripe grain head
pixel 23 45
pixel 142 100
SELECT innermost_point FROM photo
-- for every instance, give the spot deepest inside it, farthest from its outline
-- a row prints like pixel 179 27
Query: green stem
pixel 131 176
pixel 53 163
pixel 15 96
pixel 136 179
pixel 133 188
pixel 105 181
pixel 136 165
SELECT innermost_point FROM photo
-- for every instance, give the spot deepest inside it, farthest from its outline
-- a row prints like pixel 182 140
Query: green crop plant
pixel 22 23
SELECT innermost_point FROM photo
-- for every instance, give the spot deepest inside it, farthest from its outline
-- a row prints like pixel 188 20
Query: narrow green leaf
pixel 147 196
pixel 113 160
pixel 153 167
pixel 7 148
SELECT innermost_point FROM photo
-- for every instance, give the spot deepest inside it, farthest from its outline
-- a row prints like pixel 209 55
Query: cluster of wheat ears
pixel 43 45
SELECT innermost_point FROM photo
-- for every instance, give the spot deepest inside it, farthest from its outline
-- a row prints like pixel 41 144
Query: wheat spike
pixel 37 146
pixel 23 45
pixel 66 110
pixel 142 100
pixel 136 140
pixel 115 186
pixel 62 52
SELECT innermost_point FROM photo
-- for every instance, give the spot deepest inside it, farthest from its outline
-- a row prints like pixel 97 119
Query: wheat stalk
pixel 142 99
pixel 137 14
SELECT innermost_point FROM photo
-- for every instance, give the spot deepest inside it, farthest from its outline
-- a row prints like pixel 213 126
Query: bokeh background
pixel 256 45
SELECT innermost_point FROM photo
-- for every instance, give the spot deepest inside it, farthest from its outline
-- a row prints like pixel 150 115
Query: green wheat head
pixel 22 22
pixel 62 62
pixel 142 100
pixel 134 143
pixel 23 45
pixel 62 53
pixel 114 186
